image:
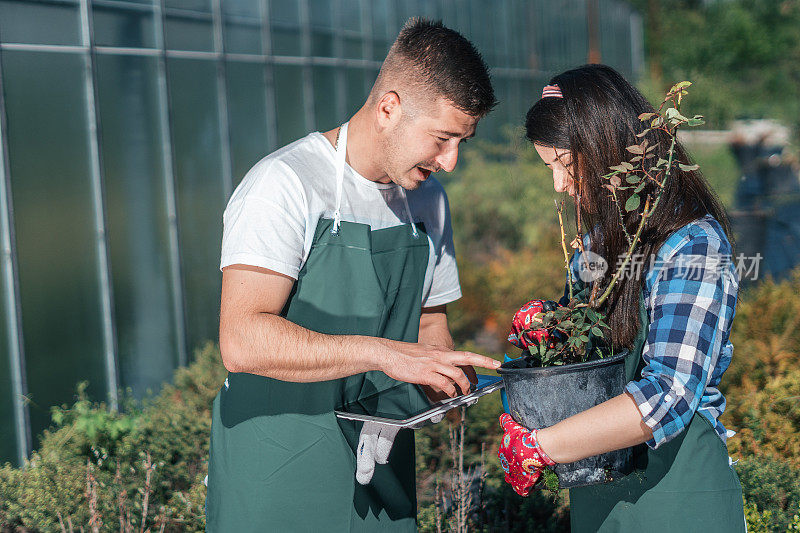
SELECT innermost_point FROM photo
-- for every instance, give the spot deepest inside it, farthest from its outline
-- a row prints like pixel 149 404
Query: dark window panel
pixel 203 6
pixel 284 18
pixel 54 221
pixel 137 221
pixel 322 42
pixel 27 22
pixel 350 15
pixel 356 80
pixel 246 114
pixel 123 28
pixel 242 20
pixel 198 171
pixel 325 98
pixel 189 34
pixel 242 8
pixel 242 36
pixel 289 103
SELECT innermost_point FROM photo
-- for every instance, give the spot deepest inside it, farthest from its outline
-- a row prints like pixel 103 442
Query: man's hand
pixel 433 330
pixel 440 368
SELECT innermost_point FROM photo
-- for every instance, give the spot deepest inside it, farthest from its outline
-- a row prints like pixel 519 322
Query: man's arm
pixel 254 339
pixel 433 329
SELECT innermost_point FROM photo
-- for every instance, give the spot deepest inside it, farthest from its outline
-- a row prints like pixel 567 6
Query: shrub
pixel 762 385
pixel 771 491
pixel 142 467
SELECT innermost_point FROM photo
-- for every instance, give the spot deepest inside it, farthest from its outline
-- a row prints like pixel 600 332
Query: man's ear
pixel 389 110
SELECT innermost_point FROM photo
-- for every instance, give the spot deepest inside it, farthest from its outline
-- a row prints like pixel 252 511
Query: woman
pixel 674 320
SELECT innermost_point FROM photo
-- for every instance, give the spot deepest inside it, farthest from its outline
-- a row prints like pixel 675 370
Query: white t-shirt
pixel 272 216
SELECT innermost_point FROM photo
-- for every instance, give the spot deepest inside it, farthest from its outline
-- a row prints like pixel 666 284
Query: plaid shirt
pixel 691 290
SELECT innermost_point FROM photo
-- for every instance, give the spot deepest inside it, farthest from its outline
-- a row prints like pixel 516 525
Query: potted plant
pixel 568 365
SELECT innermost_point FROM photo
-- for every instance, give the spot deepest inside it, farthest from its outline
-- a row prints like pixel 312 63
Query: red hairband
pixel 552 91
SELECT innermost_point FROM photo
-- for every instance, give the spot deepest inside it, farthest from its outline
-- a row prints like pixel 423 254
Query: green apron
pixel 280 460
pixel 687 484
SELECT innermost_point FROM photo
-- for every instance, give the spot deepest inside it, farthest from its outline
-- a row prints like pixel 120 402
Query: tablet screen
pixel 398 395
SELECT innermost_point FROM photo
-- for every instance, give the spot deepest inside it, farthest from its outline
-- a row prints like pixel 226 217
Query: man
pixel 338 263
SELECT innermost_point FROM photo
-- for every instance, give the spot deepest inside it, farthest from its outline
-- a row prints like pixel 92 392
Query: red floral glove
pixel 528 318
pixel 521 456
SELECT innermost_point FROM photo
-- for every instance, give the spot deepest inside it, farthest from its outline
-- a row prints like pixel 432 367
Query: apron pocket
pixel 277 459
pixel 292 447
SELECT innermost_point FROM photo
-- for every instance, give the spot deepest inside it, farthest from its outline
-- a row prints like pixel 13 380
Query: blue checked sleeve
pixel 692 300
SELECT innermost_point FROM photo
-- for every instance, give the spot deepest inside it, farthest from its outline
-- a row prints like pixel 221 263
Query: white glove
pixel 374 445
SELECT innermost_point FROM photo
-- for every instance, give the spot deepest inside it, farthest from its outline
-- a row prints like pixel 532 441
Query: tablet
pixel 359 411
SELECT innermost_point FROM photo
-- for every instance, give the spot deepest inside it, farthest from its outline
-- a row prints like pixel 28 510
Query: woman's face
pixel 560 162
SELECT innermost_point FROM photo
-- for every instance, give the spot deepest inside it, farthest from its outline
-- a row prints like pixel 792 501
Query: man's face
pixel 426 143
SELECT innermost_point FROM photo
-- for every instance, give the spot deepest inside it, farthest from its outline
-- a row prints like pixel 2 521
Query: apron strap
pixel 341 154
pixel 414 231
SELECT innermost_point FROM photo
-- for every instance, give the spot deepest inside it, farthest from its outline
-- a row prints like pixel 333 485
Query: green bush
pixel 142 466
pixel 762 385
pixel 771 489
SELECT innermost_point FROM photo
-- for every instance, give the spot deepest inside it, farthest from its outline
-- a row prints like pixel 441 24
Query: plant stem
pixel 667 172
pixel 564 245
pixel 621 218
pixel 628 255
pixel 645 215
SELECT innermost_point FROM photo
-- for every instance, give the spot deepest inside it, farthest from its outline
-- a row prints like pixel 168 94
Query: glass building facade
pixel 126 124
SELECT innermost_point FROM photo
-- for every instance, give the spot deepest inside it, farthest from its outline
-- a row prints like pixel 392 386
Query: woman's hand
pixel 521 456
pixel 527 327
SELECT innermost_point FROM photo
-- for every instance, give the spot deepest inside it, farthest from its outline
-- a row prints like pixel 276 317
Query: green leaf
pixel 640 187
pixel 695 122
pixel 632 203
pixel 688 168
pixel 635 149
pixel 633 178
pixel 642 134
pixel 645 116
pixel 681 85
pixel 597 331
pixel 635 159
pixel 550 480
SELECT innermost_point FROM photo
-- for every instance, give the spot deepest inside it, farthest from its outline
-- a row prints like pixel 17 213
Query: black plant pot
pixel 541 397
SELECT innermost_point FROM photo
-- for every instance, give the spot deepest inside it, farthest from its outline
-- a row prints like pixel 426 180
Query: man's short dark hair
pixel 443 60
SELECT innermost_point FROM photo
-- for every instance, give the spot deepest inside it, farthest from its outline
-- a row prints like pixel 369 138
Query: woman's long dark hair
pixel 597 118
